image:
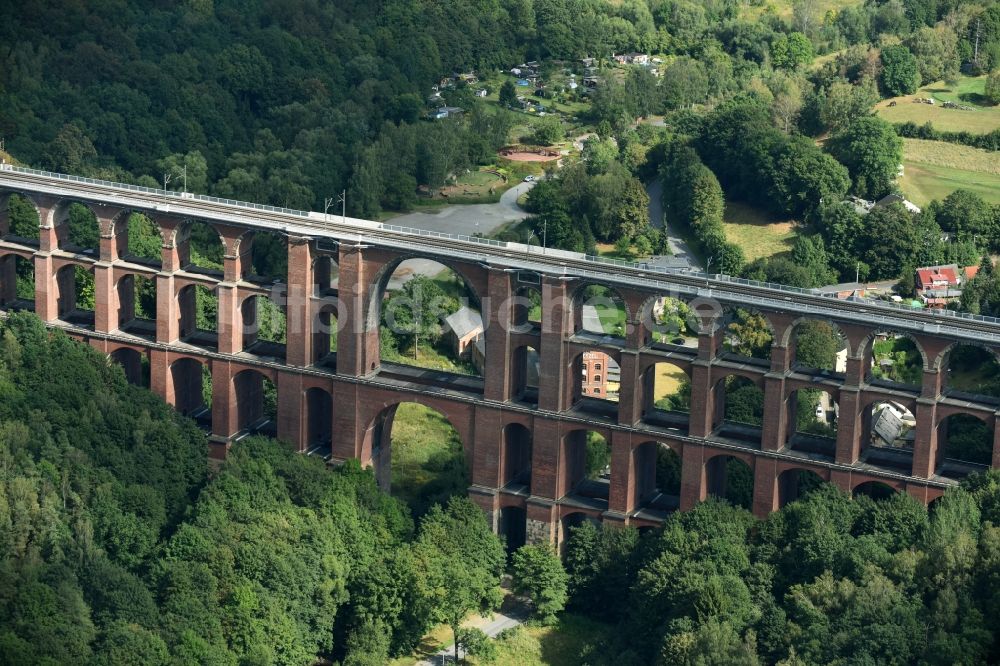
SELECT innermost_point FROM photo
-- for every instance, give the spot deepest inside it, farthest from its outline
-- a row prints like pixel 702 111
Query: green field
pixel 935 169
pixel 968 91
pixel 757 233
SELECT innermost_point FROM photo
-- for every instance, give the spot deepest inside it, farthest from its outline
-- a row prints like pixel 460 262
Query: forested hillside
pixel 118 547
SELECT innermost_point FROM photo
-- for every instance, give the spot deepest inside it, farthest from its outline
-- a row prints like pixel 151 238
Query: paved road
pixel 459 219
pixel 682 256
pixel 490 626
pixel 469 218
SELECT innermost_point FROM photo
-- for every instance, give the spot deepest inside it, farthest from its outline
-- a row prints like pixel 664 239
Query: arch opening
pixel 516 463
pixel 319 422
pixel 666 396
pixel 674 322
pixel 972 373
pixel 256 401
pixel 191 390
pixel 264 327
pixel 889 429
pixel 75 301
pixel 738 409
pixel 657 470
pixel 524 380
pixel 137 305
pixel 894 359
pixel 599 312
pixel 197 308
pixel 134 365
pixel 268 257
pixel 430 319
pixel 418 456
pixel 586 468
pixel 80 231
pixel 22 220
pixel 527 313
pixel 144 243
pixel 573 521
pixel 595 382
pixel 812 421
pixel 820 348
pixel 965 445
pixel 513 527
pixel 731 479
pixel 747 335
pixel 17 282
pixel 200 247
pixel 876 490
pixel 325 331
pixel 796 483
pixel 326 275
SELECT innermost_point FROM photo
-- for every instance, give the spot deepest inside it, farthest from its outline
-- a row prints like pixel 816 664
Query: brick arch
pixel 377 446
pixel 789 333
pixel 743 456
pixel 647 362
pixel 945 411
pixel 939 360
pixel 5 195
pixel 700 307
pixel 866 346
pixel 180 233
pixel 723 374
pixel 576 298
pixel 785 475
pixel 380 282
pixel 893 484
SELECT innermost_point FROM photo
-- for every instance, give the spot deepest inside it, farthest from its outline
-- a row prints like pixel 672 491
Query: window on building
pixel 597 366
pixel 597 378
pixel 597 390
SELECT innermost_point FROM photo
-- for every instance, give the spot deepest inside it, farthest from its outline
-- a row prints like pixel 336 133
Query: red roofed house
pixel 937 285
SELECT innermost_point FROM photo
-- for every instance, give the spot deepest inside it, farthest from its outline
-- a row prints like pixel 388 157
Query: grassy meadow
pixel 756 232
pixel 935 169
pixel 968 91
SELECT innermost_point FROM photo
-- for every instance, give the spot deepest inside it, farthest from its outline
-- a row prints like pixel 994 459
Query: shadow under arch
pixel 418 454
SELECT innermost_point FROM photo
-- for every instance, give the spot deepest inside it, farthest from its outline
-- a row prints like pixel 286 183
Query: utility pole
pixel 342 200
pixel 545 234
pixel 185 174
pixel 166 179
pixel 975 52
pixel 857 273
pixel 327 202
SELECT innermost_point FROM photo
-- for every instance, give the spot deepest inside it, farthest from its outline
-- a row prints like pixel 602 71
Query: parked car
pixel 529 179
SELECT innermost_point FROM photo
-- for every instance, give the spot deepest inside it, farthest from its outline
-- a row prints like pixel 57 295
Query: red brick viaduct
pixel 524 447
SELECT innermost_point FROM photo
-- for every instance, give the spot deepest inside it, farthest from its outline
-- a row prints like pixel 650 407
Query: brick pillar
pixel 545 459
pixel 542 522
pixel 50 230
pixel 996 441
pixel 702 394
pixel 925 442
pixel 775 428
pixel 488 447
pixel 347 426
pixel 229 319
pixel 105 298
pixel 841 479
pixel 497 319
pixel 160 381
pixel 702 399
pixel 630 392
pixel 8 278
pixel 849 417
pixel 292 424
pixel 298 310
pixel 489 502
pixel 557 310
pixel 621 496
pixel 765 486
pixel 46 288
pixel 351 312
pixel 224 412
pixel 167 312
pixel 694 486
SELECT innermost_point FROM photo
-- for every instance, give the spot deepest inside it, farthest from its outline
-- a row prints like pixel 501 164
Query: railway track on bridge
pixel 502 255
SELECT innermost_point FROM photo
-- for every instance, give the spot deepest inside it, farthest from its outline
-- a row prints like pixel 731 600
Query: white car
pixel 529 179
